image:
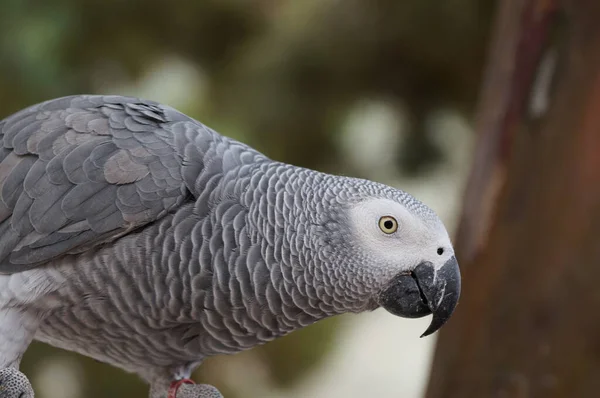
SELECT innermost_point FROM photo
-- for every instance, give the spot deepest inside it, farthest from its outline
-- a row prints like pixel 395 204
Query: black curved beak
pixel 424 291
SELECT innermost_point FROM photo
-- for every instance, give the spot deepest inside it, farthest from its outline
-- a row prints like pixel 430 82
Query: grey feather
pixel 83 158
pixel 37 180
pixel 13 184
pixel 46 212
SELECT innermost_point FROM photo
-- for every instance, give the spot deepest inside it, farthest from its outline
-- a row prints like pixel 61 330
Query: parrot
pixel 134 234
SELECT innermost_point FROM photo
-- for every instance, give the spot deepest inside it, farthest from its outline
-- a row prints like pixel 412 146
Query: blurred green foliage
pixel 282 74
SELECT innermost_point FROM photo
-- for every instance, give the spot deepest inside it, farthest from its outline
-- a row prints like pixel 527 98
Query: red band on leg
pixel 175 386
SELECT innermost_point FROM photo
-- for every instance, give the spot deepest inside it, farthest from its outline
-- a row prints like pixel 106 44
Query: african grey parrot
pixel 135 235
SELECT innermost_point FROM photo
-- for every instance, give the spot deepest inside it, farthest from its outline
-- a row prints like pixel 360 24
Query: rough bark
pixel 528 324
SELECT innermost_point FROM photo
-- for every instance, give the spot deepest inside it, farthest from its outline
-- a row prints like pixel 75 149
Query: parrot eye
pixel 388 224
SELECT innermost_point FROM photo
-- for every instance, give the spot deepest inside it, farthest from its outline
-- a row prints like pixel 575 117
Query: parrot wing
pixel 79 171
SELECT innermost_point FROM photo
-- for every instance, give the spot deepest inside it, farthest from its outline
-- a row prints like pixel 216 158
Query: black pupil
pixel 440 251
pixel 388 224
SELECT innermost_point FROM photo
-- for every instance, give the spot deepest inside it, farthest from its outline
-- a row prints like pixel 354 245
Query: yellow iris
pixel 388 224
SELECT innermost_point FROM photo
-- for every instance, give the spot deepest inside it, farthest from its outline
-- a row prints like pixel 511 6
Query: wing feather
pixel 79 171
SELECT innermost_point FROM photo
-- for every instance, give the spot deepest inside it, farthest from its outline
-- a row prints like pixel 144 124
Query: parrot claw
pixel 197 391
pixel 14 384
pixel 183 388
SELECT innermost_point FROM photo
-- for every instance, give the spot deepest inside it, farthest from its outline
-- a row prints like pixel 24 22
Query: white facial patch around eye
pixel 404 245
pixel 415 240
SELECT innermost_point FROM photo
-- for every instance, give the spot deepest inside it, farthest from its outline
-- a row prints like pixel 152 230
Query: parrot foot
pixel 184 388
pixel 14 384
pixel 188 389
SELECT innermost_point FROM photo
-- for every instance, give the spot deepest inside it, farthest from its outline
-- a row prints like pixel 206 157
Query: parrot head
pixel 387 245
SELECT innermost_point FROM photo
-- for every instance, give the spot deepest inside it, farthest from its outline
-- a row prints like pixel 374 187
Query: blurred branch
pixel 528 238
pixel 521 31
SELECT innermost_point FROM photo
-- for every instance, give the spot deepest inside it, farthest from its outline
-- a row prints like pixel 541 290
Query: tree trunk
pixel 528 324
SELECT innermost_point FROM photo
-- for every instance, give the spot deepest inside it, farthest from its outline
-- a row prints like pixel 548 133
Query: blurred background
pixel 380 89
